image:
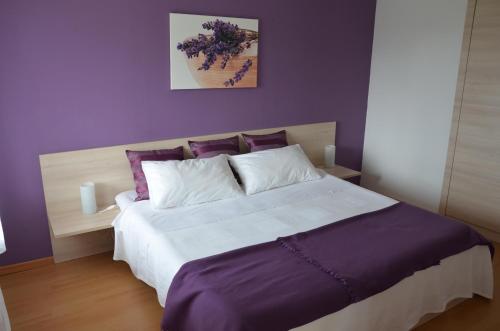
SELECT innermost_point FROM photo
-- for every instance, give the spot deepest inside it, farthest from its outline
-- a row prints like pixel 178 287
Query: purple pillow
pixel 210 148
pixel 265 141
pixel 136 157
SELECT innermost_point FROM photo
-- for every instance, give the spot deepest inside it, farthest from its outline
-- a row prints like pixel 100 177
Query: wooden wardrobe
pixel 471 189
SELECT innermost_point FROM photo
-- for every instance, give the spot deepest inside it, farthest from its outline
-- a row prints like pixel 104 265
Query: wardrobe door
pixel 474 194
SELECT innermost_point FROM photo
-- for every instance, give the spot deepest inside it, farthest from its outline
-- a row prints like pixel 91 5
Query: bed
pixel 156 243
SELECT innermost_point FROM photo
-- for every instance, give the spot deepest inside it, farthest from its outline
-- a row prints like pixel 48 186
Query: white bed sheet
pixel 156 243
pixel 125 199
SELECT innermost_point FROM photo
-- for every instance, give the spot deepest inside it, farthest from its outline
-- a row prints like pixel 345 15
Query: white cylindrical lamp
pixel 329 156
pixel 87 195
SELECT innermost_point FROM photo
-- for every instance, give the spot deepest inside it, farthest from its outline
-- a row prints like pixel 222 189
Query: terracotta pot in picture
pixel 215 76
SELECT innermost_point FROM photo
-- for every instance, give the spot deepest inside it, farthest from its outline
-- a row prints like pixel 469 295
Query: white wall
pixel 416 54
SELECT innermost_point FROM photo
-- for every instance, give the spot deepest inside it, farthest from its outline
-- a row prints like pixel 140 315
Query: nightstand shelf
pixel 75 223
pixel 74 235
pixel 340 171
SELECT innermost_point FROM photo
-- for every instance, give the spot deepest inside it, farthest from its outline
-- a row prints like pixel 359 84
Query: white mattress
pixel 156 243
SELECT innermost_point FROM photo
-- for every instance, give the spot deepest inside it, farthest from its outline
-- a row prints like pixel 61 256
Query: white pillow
pixel 189 182
pixel 264 170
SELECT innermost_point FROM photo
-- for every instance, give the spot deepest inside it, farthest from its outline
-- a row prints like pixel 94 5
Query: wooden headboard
pixel 108 167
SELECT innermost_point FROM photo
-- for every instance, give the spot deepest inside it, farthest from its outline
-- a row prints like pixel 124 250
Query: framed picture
pixel 213 52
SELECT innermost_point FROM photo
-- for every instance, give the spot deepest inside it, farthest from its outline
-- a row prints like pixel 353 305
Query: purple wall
pixel 78 74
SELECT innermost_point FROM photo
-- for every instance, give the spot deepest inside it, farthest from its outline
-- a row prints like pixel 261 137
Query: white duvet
pixel 156 243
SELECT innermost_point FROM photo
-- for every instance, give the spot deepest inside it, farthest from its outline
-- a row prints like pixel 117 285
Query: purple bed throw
pixel 295 280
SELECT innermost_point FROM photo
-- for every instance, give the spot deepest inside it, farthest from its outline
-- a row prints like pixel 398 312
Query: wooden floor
pixel 96 293
pixel 92 293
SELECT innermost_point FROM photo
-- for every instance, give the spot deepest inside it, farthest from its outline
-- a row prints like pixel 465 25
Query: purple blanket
pixel 295 280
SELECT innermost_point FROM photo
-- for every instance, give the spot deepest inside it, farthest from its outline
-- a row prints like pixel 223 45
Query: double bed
pixel 161 244
pixel 156 243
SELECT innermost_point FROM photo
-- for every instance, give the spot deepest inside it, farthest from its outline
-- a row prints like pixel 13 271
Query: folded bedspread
pixel 295 280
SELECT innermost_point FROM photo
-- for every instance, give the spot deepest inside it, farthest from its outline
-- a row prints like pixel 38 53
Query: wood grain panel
pixel 108 167
pixel 462 72
pixel 474 194
pixel 86 244
pixel 340 171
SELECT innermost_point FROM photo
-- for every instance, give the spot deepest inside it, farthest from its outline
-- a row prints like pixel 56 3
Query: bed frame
pixel 74 234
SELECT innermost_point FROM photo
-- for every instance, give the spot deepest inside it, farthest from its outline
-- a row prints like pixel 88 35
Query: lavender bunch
pixel 240 74
pixel 226 41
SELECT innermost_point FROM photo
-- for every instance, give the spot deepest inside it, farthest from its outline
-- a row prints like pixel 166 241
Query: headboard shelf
pixel 108 167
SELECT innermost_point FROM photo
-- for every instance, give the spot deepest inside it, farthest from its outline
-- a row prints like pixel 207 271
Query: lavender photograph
pixel 212 52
